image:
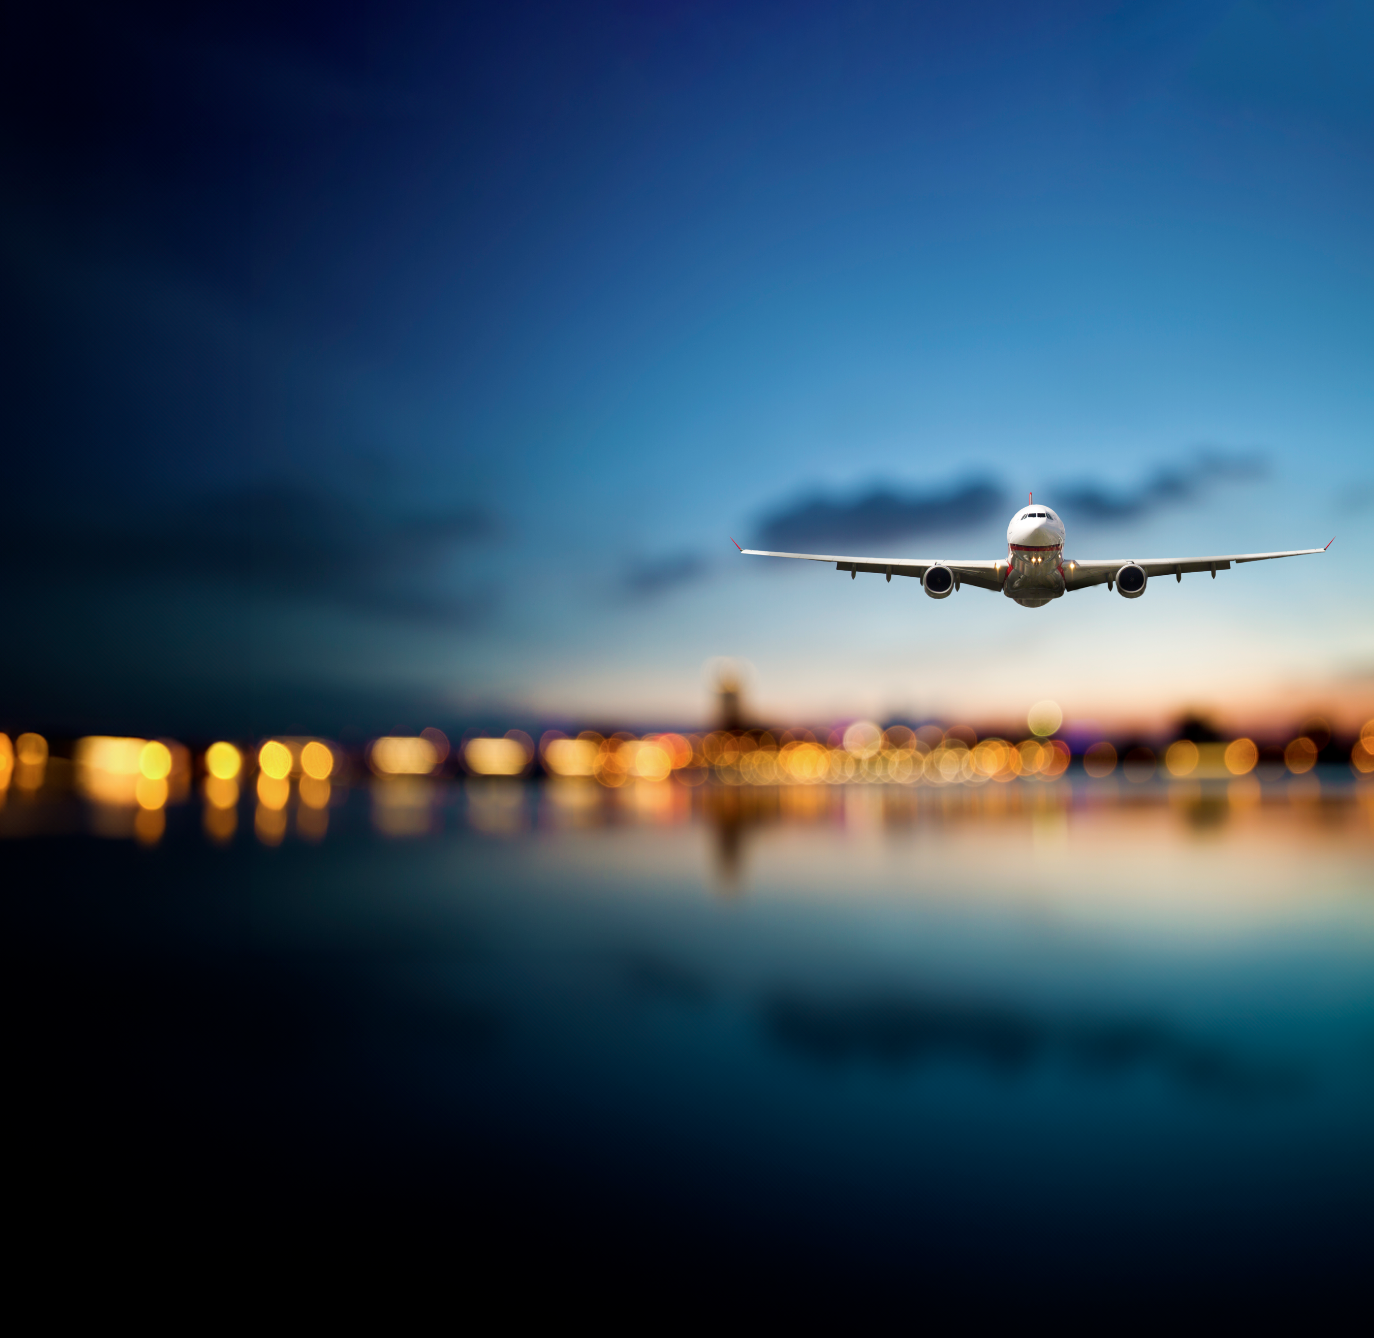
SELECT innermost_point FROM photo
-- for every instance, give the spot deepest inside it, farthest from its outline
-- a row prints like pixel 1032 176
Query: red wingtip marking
pixel 1333 540
pixel 732 540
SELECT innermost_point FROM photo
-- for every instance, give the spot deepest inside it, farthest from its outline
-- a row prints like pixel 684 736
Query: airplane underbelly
pixel 1032 583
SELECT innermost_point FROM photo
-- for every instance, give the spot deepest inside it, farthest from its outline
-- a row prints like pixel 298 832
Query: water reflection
pixel 846 1016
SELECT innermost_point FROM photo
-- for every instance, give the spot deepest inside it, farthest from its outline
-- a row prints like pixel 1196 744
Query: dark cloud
pixel 645 578
pixel 1170 485
pixel 883 515
pixel 911 1032
pixel 284 541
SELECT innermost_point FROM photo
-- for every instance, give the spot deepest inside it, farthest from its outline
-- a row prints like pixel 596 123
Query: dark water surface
pixel 1078 1041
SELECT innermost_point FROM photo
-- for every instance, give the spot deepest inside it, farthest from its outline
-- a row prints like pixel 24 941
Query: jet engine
pixel 1130 581
pixel 938 582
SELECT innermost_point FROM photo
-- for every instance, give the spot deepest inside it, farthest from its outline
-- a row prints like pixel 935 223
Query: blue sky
pixel 366 366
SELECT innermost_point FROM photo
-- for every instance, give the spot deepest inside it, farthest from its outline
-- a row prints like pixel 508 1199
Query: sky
pixel 365 367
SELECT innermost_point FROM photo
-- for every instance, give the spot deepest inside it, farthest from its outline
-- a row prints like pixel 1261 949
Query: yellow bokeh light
pixel 404 755
pixel 571 757
pixel 273 791
pixel 274 760
pixel 223 761
pixel 863 738
pixel 317 761
pixel 154 762
pixel 1362 756
pixel 1031 755
pixel 1055 759
pixel 1241 756
pixel 649 762
pixel 1300 756
pixel 1367 731
pixel 31 750
pixel 150 792
pixel 1044 718
pixel 1181 757
pixel 495 757
pixel 990 757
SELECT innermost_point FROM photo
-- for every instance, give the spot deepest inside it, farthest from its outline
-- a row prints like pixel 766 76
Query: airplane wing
pixel 1095 571
pixel 985 574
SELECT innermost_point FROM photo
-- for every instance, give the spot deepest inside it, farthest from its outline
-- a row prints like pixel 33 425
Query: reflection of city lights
pixel 151 820
pixel 1300 756
pixel 402 755
pixel 495 757
pixel 270 823
pixel 31 758
pixel 1241 756
pixel 401 806
pixel 312 823
pixel 1181 757
pixel 223 761
pixel 6 761
pixel 31 750
pixel 1044 718
pixel 314 792
pixel 221 821
pixel 221 793
pixel 150 792
pixel 317 762
pixel 1100 760
pixel 273 791
pixel 274 760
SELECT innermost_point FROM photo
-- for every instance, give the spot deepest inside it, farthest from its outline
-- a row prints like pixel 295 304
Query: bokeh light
pixel 1300 756
pixel 274 760
pixel 403 755
pixel 273 791
pixel 223 761
pixel 1181 757
pixel 1100 760
pixel 1044 718
pixel 495 757
pixel 317 762
pixel 155 762
pixel 1241 756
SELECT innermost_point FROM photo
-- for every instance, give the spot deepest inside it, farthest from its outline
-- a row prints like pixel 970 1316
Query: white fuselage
pixel 1035 555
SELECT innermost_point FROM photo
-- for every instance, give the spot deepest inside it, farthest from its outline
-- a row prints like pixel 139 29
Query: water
pixel 1047 1036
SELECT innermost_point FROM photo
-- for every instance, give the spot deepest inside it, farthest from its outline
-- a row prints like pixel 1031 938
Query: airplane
pixel 1034 572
